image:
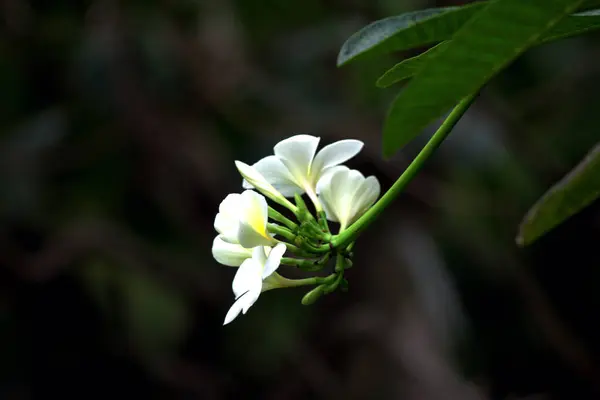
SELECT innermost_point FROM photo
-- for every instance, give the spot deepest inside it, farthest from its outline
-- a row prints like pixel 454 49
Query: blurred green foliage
pixel 120 123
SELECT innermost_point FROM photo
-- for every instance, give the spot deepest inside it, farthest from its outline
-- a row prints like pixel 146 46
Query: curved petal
pixel 227 228
pixel 227 219
pixel 276 281
pixel 325 178
pixel 330 193
pixel 248 278
pixel 273 260
pixel 252 229
pixel 334 154
pixel 255 179
pixel 297 153
pixel 277 174
pixel 365 197
pixel 242 304
pixel 259 254
pixel 230 204
pixel 329 209
pixel 230 254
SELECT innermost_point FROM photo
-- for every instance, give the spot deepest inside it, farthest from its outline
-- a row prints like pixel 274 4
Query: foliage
pixel 478 40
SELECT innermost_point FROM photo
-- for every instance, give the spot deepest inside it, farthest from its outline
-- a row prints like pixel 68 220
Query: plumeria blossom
pixel 346 194
pixel 246 238
pixel 230 254
pixel 255 275
pixel 254 179
pixel 297 167
pixel 242 219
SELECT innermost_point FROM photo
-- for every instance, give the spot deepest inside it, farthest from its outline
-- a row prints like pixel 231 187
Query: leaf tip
pixel 520 240
pixel 343 58
pixel 381 83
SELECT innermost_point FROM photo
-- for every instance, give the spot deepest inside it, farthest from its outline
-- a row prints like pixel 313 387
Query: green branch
pixel 352 232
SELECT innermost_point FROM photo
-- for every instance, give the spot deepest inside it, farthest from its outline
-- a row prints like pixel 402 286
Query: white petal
pixel 227 227
pixel 325 179
pixel 365 197
pixel 276 281
pixel 329 197
pixel 342 194
pixel 230 254
pixel 259 254
pixel 227 220
pixel 274 260
pixel 255 179
pixel 334 154
pixel 297 154
pixel 278 175
pixel 346 194
pixel 242 304
pixel 230 204
pixel 329 209
pixel 248 278
pixel 252 230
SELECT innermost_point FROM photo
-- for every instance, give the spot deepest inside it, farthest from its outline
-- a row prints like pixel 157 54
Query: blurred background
pixel 120 121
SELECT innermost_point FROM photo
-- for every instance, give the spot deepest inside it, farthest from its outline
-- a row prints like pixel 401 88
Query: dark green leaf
pixel 572 193
pixel 478 51
pixel 570 26
pixel 406 31
pixel 576 24
pixel 407 68
pixel 425 27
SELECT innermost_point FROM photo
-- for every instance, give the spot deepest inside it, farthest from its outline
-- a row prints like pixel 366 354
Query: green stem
pixel 352 232
pixel 296 250
pixel 322 217
pixel 277 216
pixel 315 280
pixel 307 265
pixel 281 231
pixel 322 249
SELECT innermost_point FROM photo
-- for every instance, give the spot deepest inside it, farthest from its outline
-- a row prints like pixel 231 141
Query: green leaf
pixel 409 67
pixel 574 25
pixel 478 51
pixel 426 27
pixel 406 31
pixel 570 26
pixel 572 193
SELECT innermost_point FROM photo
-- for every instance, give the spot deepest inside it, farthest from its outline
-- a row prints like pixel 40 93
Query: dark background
pixel 120 122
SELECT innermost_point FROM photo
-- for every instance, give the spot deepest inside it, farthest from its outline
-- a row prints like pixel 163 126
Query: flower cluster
pixel 248 240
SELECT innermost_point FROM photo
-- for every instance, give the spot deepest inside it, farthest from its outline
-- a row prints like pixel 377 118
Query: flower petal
pixel 297 153
pixel 325 179
pixel 276 281
pixel 227 220
pixel 259 254
pixel 365 197
pixel 248 278
pixel 329 187
pixel 334 154
pixel 252 230
pixel 277 174
pixel 274 259
pixel 255 179
pixel 230 254
pixel 242 304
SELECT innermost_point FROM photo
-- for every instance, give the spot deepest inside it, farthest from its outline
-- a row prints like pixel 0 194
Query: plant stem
pixel 277 216
pixel 281 231
pixel 352 232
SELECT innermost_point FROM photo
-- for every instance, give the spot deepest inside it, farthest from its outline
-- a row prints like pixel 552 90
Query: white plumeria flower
pixel 242 219
pixel 254 276
pixel 230 254
pixel 346 194
pixel 254 179
pixel 296 166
